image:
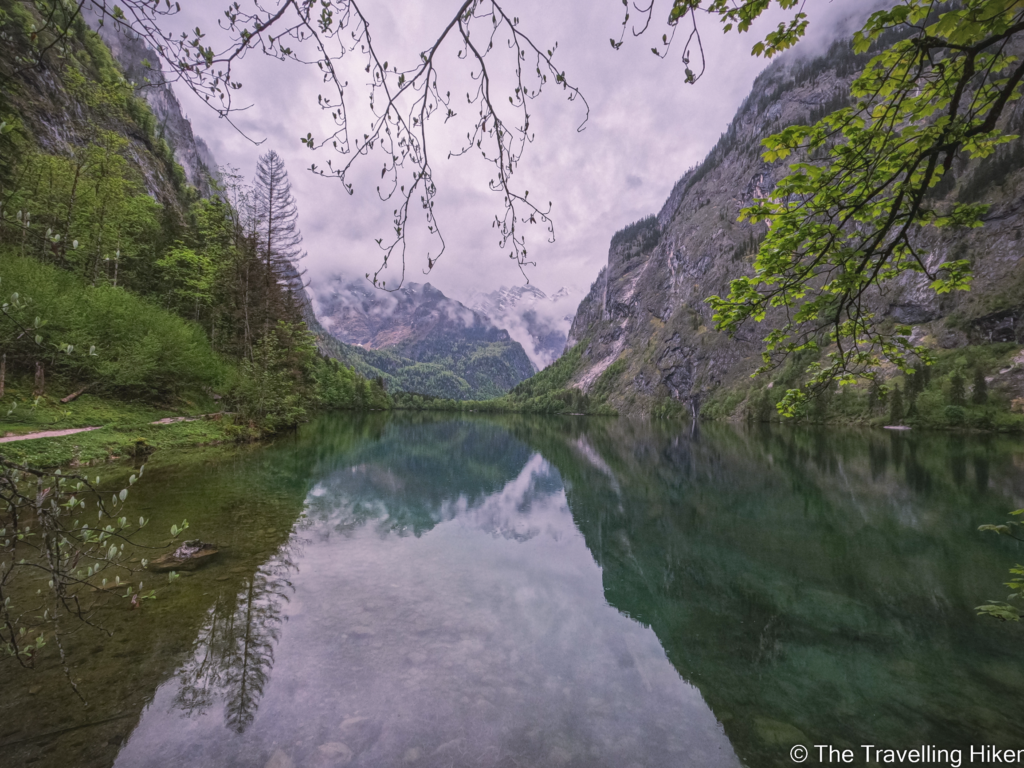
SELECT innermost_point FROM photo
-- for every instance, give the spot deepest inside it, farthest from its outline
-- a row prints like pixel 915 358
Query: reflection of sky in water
pixel 485 641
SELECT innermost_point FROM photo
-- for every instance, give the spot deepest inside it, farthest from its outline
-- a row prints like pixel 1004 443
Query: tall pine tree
pixel 276 228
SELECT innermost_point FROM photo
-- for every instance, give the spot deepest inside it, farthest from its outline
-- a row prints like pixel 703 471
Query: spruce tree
pixel 896 405
pixel 876 396
pixel 957 396
pixel 276 230
pixel 979 396
pixel 917 381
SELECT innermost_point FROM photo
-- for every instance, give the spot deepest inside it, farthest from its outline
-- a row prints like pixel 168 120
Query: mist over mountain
pixel 420 340
pixel 644 336
pixel 537 321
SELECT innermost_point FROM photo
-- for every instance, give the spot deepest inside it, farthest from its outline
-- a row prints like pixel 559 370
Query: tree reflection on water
pixel 233 653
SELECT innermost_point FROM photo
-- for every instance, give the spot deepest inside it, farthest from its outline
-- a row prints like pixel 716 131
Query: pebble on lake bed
pixel 359 733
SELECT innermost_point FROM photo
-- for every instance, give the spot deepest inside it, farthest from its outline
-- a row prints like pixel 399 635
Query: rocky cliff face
pixel 60 116
pixel 645 328
pixel 141 68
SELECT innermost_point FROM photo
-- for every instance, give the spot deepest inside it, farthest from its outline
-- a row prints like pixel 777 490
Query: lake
pixel 433 590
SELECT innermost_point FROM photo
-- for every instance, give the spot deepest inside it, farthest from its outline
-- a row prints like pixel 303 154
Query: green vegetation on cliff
pixel 470 370
pixel 416 339
pixel 972 387
pixel 119 281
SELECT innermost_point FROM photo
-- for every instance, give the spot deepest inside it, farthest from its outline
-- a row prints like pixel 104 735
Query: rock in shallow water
pixel 332 754
pixel 189 556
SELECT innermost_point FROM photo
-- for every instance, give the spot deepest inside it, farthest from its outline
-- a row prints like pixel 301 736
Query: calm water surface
pixel 430 591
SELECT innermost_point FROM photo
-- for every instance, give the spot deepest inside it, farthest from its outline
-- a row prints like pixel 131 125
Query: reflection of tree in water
pixel 234 651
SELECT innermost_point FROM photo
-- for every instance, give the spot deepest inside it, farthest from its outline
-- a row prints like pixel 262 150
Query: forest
pixel 124 286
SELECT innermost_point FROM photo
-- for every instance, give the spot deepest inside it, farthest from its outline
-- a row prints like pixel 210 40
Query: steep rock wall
pixel 645 325
pixel 141 68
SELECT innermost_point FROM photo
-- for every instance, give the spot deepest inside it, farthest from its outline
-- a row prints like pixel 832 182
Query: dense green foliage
pixel 951 393
pixel 843 227
pixel 645 233
pixel 469 370
pixel 137 348
pixel 119 279
pixel 546 392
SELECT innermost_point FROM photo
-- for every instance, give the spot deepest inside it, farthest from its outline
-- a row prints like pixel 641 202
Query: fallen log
pixel 189 556
pixel 74 395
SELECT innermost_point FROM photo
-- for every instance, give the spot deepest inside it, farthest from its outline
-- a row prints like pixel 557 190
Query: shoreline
pixel 114 442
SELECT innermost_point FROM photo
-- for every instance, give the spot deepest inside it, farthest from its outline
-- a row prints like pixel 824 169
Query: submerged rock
pixel 190 555
pixel 279 760
pixel 331 754
pixel 359 732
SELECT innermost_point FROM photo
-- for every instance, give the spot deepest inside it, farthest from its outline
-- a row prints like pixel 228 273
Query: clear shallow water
pixel 450 592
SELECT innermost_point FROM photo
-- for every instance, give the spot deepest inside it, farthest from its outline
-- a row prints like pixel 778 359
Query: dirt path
pixel 49 433
pixel 62 432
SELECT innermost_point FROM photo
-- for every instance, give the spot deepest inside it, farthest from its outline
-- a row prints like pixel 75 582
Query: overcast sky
pixel 646 127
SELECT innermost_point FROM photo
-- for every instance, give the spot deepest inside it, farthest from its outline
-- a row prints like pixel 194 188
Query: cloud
pixel 646 127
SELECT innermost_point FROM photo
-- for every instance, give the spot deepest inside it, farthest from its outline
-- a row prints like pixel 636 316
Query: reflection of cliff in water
pixel 815 585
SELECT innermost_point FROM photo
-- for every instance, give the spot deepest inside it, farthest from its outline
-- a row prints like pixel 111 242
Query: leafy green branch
pixel 52 560
pixel 1007 611
pixel 842 230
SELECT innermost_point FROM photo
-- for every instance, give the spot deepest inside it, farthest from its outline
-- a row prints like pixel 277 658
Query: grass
pixel 115 442
pixel 126 428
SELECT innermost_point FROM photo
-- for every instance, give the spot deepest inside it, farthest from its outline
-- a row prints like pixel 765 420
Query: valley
pixel 741 498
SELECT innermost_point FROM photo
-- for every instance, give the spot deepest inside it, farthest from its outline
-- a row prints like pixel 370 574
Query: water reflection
pixel 816 586
pixel 446 611
pixel 234 650
pixel 438 591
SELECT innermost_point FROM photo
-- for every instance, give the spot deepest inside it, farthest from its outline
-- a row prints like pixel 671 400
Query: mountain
pixel 537 321
pixel 419 340
pixel 414 340
pixel 644 336
pixel 138 60
pixel 58 119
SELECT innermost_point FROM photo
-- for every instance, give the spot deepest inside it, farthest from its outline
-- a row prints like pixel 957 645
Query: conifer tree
pixel 896 405
pixel 276 228
pixel 979 396
pixel 875 395
pixel 957 396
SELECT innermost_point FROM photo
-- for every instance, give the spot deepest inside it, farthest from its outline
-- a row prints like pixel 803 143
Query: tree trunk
pixel 74 395
pixel 40 379
pixel 3 372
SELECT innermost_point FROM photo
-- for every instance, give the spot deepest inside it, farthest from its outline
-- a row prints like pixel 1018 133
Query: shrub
pixel 140 349
pixel 955 415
